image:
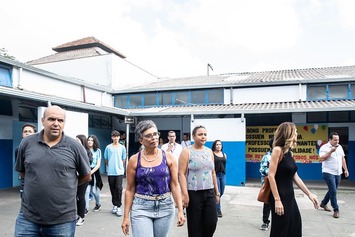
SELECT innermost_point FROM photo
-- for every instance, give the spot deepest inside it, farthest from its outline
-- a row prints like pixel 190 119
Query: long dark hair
pixel 96 143
pixel 214 145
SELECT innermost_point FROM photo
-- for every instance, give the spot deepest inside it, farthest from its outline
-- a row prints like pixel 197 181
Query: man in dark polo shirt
pixel 53 164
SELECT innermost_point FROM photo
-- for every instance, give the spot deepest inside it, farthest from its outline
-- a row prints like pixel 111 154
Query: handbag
pixel 265 190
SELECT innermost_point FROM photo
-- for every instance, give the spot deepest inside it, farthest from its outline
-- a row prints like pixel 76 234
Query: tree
pixel 3 52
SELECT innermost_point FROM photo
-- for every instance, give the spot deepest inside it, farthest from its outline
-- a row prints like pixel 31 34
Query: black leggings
pixel 80 199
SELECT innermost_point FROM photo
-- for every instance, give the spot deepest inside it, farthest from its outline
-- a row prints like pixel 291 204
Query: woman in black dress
pixel 286 218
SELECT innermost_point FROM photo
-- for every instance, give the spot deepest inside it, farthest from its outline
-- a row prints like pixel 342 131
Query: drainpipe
pixel 231 96
pixel 300 92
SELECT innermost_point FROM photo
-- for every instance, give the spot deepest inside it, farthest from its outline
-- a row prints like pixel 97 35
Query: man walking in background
pixel 333 160
pixel 115 158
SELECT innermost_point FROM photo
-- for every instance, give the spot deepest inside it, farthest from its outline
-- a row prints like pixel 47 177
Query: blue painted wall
pixel 6 167
pixel 351 160
pixel 104 136
pixel 236 171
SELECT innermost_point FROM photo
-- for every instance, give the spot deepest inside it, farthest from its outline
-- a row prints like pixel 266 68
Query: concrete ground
pixel 241 214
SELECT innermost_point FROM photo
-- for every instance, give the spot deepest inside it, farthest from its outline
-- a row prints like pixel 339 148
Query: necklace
pixel 150 160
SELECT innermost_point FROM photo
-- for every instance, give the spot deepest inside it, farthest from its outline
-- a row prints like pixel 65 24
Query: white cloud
pixel 173 38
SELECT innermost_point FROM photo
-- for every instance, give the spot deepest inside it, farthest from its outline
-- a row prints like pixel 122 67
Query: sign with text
pixel 309 139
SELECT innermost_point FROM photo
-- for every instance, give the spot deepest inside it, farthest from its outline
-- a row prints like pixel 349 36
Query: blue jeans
pixel 27 228
pixel 221 181
pixel 332 182
pixel 95 191
pixel 152 218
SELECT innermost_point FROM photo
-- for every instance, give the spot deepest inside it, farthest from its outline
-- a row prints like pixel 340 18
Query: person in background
pixel 161 142
pixel 199 187
pixel 172 146
pixel 151 179
pixel 333 160
pixel 53 165
pixel 80 201
pixel 95 184
pixel 185 141
pixel 123 142
pixel 286 218
pixel 115 158
pixel 27 129
pixel 264 171
pixel 220 160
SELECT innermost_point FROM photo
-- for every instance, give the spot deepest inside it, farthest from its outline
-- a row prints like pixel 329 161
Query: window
pixel 215 96
pixel 135 101
pixel 342 116
pixel 166 98
pixel 198 97
pixel 338 92
pixel 181 98
pixel 352 89
pixel 317 92
pixel 5 76
pixel 150 99
pixel 121 101
pixel 317 117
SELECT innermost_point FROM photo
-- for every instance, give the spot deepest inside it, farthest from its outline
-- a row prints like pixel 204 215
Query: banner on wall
pixel 309 139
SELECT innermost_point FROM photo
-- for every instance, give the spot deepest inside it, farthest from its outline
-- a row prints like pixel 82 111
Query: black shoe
pixel 86 212
pixel 97 208
pixel 219 214
pixel 264 226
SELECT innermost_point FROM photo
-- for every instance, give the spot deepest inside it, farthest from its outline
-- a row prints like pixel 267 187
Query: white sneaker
pixel 80 221
pixel 114 209
pixel 119 212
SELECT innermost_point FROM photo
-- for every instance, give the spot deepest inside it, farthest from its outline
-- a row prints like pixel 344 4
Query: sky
pixel 179 38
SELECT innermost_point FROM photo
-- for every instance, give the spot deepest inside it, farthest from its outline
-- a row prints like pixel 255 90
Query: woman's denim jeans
pixel 332 182
pixel 152 218
pixel 221 181
pixel 95 191
pixel 27 228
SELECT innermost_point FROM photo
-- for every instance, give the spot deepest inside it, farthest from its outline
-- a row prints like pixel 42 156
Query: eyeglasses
pixel 151 135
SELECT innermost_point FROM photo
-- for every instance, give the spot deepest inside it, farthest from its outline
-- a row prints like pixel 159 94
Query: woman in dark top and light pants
pixel 220 160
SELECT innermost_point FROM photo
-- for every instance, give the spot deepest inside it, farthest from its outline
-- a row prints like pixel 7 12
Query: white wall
pixel 96 69
pixel 75 123
pixel 125 74
pixel 267 94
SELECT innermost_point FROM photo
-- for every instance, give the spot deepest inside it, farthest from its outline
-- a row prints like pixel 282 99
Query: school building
pixel 102 90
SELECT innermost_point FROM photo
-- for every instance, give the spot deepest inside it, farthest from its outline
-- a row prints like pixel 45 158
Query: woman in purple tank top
pixel 151 182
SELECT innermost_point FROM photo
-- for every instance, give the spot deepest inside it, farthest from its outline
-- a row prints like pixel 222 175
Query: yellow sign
pixel 310 138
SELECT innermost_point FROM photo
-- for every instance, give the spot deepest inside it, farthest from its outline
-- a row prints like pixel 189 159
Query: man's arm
pixel 326 155
pixel 84 179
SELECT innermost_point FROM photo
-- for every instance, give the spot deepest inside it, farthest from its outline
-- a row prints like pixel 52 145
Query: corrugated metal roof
pixel 293 76
pixel 248 108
